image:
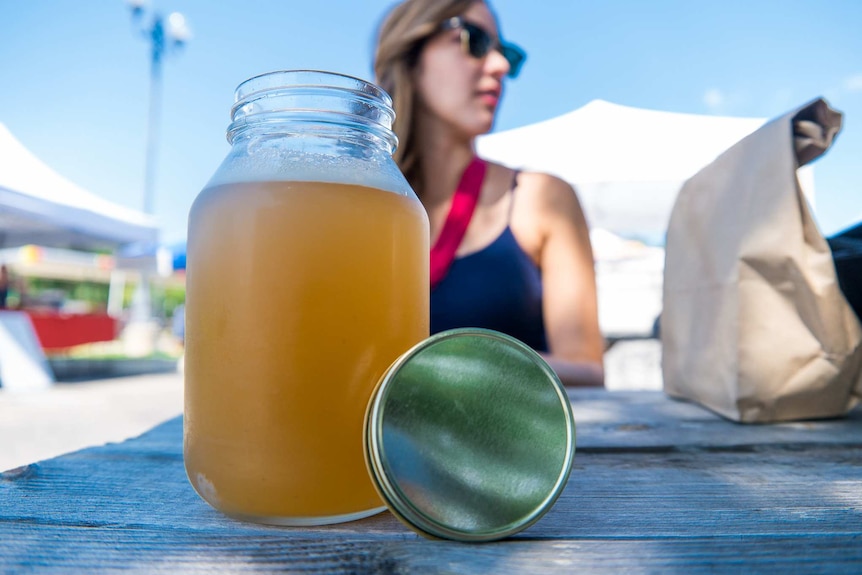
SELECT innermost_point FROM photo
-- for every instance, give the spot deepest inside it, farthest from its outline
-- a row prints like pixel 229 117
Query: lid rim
pixel 401 506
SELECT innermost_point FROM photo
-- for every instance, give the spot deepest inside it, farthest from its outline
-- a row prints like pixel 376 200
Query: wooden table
pixel 658 485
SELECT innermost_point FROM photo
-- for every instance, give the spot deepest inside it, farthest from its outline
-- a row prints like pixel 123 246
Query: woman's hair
pixel 402 35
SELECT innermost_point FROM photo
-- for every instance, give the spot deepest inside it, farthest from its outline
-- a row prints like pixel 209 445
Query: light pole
pixel 165 36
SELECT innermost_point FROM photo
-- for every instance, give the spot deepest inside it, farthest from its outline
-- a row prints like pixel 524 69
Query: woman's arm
pixel 569 284
pixel 577 373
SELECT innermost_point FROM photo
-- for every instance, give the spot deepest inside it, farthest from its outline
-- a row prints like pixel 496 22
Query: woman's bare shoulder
pixel 547 192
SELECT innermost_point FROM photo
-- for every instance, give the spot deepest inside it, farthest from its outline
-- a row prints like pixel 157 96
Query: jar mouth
pixel 308 78
pixel 312 96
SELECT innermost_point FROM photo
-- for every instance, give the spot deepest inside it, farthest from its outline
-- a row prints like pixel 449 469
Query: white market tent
pixel 39 206
pixel 627 164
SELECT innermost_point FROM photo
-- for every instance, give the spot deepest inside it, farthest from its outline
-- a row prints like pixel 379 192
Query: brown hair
pixel 402 35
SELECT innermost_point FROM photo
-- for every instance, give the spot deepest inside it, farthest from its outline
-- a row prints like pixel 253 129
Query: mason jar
pixel 307 276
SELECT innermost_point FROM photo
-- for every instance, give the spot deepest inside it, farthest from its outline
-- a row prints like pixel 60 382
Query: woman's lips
pixel 490 98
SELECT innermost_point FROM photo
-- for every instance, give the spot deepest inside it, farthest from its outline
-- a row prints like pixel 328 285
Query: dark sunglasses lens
pixel 478 41
pixel 515 56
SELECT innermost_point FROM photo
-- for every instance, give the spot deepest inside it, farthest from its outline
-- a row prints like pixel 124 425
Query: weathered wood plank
pixel 761 491
pixel 645 419
pixel 100 550
pixel 722 503
pixel 649 419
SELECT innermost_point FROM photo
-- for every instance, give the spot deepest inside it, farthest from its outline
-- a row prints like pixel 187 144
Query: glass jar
pixel 307 277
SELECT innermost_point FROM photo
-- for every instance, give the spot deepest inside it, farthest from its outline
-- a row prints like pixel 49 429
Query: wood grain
pixel 649 419
pixel 656 495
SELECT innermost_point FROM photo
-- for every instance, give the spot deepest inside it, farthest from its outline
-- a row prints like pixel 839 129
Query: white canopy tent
pixel 39 206
pixel 627 164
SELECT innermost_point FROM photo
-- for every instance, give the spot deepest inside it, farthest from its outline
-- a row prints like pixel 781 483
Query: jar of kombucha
pixel 307 276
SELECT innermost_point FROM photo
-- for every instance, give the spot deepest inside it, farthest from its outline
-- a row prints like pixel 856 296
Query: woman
pixel 522 262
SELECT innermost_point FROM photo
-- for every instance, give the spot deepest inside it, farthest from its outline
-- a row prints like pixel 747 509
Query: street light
pixel 165 36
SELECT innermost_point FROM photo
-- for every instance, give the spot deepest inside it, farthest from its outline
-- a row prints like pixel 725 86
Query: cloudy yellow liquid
pixel 299 296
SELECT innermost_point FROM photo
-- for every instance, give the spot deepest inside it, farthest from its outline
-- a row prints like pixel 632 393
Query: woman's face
pixel 458 89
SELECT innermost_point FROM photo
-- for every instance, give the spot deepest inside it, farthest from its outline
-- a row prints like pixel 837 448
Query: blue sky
pixel 74 76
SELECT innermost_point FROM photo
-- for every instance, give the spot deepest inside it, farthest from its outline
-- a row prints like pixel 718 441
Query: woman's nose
pixel 496 64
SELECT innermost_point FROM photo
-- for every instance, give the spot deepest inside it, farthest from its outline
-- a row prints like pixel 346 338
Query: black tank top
pixel 498 287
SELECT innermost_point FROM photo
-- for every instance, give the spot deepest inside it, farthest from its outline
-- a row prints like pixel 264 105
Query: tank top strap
pixel 512 188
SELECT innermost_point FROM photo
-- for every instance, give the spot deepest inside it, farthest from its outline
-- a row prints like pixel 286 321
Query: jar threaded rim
pixel 289 97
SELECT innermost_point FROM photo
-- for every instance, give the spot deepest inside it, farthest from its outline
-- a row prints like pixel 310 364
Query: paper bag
pixel 754 324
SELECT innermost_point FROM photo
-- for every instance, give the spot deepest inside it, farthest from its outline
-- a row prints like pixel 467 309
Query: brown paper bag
pixel 754 324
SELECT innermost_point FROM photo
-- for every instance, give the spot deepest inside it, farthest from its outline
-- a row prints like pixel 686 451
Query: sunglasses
pixel 477 42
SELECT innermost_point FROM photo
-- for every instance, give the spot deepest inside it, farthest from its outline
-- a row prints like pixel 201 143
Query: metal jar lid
pixel 469 436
